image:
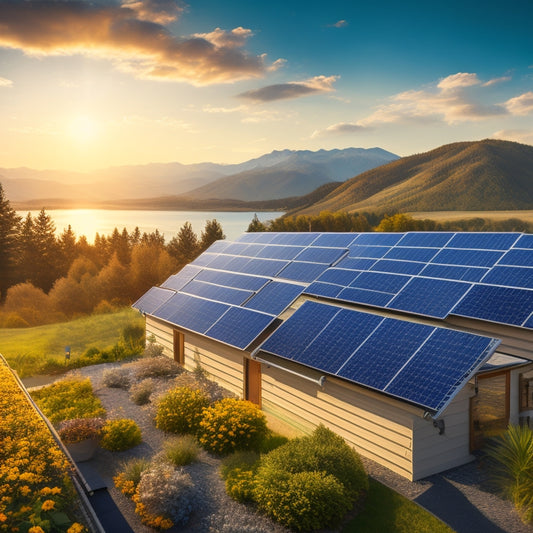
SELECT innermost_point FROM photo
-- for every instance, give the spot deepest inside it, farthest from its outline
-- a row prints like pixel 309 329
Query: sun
pixel 83 129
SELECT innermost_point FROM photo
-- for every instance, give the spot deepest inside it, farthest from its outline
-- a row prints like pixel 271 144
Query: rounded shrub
pixel 231 424
pixel 140 392
pixel 120 434
pixel 181 450
pixel 303 501
pixel 129 476
pixel 238 471
pixel 117 378
pixel 180 410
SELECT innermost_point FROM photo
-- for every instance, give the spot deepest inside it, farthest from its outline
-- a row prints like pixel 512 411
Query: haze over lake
pixel 88 222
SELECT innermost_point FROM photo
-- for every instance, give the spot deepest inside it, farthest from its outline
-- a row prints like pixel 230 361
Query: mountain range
pixel 272 176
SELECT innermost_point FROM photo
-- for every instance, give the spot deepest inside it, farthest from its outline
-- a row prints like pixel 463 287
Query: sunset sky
pixel 90 84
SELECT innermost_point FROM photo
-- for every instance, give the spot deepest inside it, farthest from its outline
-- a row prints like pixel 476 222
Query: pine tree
pixel 256 225
pixel 184 247
pixel 68 249
pixel 9 228
pixel 46 268
pixel 212 232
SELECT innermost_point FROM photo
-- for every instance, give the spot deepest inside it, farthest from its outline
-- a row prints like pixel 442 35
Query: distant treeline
pixel 46 279
pixel 358 222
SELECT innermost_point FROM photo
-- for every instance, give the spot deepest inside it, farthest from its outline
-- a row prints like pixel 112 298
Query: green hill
pixel 482 175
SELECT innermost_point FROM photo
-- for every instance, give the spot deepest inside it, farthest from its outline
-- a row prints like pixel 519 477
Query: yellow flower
pixel 3 517
pixel 48 505
pixel 36 529
pixel 76 528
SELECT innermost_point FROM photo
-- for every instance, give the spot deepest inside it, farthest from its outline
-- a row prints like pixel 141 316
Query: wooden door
pixel 179 347
pixel 252 381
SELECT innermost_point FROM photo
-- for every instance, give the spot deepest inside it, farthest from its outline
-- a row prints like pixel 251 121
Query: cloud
pixel 456 81
pixel 496 80
pixel 521 136
pixel 339 24
pixel 293 89
pixel 520 105
pixel 158 11
pixel 4 82
pixel 130 37
pixel 342 128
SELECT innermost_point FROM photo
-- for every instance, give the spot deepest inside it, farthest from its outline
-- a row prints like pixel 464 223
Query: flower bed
pixel 36 492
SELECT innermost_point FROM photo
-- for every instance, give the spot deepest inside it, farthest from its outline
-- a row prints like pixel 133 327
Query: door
pixel 179 347
pixel 489 409
pixel 252 381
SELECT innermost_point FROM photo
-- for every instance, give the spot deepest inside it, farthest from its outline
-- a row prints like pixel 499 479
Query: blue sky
pixel 86 85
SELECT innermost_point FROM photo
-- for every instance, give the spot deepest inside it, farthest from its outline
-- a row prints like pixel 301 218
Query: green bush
pixel 303 501
pixel 513 472
pixel 140 392
pixel 120 434
pixel 238 471
pixel 181 451
pixel 180 410
pixel 69 398
pixel 231 424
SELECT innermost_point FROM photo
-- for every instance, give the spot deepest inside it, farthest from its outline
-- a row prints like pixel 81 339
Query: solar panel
pixel 517 257
pixel 190 312
pixel 263 267
pixel 338 276
pixel 280 252
pixel 236 248
pixel 399 267
pixel 454 272
pixel 229 279
pixel 440 367
pixel 379 281
pixel 483 241
pixel 253 250
pixel 219 261
pixel 298 239
pixel 504 305
pixel 372 252
pixel 429 239
pixel 179 280
pixel 297 332
pixel 257 237
pixel 204 259
pixel 218 293
pixel 365 296
pixel 384 353
pixel 317 254
pixel 481 258
pixel 338 340
pixel 510 276
pixel 529 322
pixel 429 297
pixel 411 254
pixel 218 247
pixel 335 240
pixel 354 263
pixel 239 327
pixel 327 290
pixel 525 241
pixel 274 297
pixel 304 272
pixel 378 239
pixel 152 299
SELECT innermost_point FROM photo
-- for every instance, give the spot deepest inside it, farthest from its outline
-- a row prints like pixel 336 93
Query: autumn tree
pixel 9 227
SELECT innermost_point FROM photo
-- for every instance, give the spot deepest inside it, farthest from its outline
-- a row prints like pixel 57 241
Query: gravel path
pixel 462 497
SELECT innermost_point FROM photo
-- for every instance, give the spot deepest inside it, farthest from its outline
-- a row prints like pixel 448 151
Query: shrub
pixel 231 424
pixel 120 434
pixel 128 478
pixel 181 451
pixel 197 381
pixel 80 429
pixel 153 350
pixel 155 367
pixel 303 501
pixel 165 496
pixel 117 378
pixel 180 410
pixel 140 392
pixel 69 398
pixel 513 472
pixel 238 471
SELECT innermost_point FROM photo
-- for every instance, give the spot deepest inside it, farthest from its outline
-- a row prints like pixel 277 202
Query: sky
pixel 85 85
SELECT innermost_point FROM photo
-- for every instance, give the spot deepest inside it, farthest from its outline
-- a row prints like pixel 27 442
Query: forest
pixel 46 278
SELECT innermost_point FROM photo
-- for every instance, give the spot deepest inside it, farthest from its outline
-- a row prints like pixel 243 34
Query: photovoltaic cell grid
pixel 152 299
pixel 274 297
pixel 414 362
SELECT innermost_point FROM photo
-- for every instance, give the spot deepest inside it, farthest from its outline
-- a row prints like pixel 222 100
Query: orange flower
pixel 48 505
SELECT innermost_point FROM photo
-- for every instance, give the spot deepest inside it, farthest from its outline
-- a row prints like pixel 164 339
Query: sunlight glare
pixel 83 129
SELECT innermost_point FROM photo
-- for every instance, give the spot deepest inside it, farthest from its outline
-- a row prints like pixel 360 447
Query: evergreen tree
pixel 67 248
pixel 256 225
pixel 212 232
pixel 184 247
pixel 9 227
pixel 26 254
pixel 46 269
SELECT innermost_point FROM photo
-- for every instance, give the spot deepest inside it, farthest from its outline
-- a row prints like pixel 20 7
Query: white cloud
pixel 4 82
pixel 455 81
pixel 339 24
pixel 521 136
pixel 520 105
pixel 342 128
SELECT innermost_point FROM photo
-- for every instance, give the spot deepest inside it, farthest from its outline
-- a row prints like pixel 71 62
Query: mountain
pixel 295 174
pixel 482 175
pixel 280 174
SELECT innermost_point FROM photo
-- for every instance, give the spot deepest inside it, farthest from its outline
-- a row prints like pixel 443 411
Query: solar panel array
pixel 236 290
pixel 421 364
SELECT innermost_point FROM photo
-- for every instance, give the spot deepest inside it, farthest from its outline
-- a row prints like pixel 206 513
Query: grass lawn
pixel 25 347
pixel 386 510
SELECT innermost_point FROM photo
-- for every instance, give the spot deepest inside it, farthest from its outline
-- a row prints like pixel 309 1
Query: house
pixel 415 347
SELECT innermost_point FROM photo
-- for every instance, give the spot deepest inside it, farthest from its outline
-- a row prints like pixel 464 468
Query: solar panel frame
pixel 231 279
pixel 365 296
pixel 525 241
pixel 426 239
pixel 327 290
pixel 151 300
pixel 334 240
pixel 298 239
pixel 318 254
pixel 378 239
pixel 517 257
pixel 218 293
pixel 256 237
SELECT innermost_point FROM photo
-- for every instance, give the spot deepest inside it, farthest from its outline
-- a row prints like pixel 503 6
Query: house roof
pixel 239 291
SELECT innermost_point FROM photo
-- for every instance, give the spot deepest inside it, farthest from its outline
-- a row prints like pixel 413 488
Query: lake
pixel 88 222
